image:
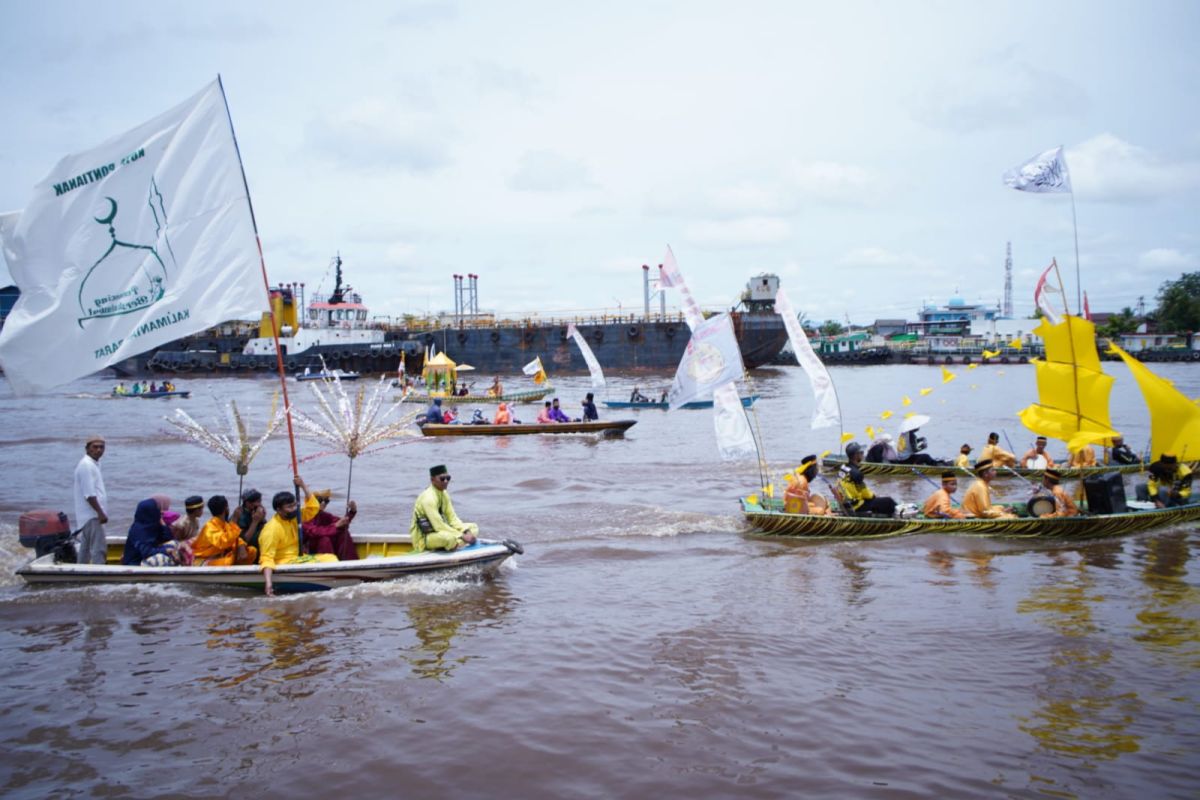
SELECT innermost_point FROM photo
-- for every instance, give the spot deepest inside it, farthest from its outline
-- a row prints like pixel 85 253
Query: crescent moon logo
pixel 112 212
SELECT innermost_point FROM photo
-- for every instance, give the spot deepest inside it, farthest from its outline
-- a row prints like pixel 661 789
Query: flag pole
pixel 287 406
pixel 1078 281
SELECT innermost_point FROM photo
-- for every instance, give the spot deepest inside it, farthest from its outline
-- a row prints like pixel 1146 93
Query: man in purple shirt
pixel 556 413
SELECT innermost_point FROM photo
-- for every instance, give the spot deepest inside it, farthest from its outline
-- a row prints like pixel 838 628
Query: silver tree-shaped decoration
pixel 228 437
pixel 353 426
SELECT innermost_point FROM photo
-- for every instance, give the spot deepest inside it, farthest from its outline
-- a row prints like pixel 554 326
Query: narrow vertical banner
pixel 588 356
pixel 122 248
pixel 674 278
pixel 826 411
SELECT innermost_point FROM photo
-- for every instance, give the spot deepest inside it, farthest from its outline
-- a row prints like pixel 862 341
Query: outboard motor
pixel 47 532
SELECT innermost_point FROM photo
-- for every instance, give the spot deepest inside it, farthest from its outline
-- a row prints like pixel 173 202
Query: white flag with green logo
pixel 130 245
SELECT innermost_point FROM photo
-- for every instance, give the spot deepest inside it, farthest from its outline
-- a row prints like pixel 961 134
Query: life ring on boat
pixel 462 337
pixel 1004 359
pixel 633 332
pixel 948 360
pixel 670 332
pixel 1040 505
pixel 966 359
pixel 291 364
pixel 598 335
pixel 1023 360
pixel 495 336
pixel 1196 355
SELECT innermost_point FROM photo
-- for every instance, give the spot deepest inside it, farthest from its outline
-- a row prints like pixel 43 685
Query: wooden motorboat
pixel 768 516
pixel 747 401
pixel 383 557
pixel 606 427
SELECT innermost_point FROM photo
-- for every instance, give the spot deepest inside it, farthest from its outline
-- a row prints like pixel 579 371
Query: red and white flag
pixel 1041 299
pixel 1087 311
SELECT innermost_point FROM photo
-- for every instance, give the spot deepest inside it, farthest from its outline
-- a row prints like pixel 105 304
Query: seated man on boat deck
pixel 940 504
pixel 434 412
pixel 149 542
pixel 434 524
pixel 798 497
pixel 250 516
pixel 1121 453
pixel 220 541
pixel 503 415
pixel 279 543
pixel 1082 458
pixel 556 413
pixel 589 408
pixel 1064 506
pixel 1038 458
pixel 964 457
pixel 325 533
pixel 1169 483
pixel 496 389
pixel 543 416
pixel 996 454
pixel 855 495
pixel 977 502
pixel 636 396
pixel 882 451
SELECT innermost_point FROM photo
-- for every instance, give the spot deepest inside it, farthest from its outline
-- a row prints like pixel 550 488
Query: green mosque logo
pixel 128 277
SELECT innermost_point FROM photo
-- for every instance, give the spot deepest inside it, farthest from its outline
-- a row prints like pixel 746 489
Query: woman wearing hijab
pixel 149 542
pixel 503 415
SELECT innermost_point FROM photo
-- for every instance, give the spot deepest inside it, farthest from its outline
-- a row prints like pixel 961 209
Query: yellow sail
pixel 1072 388
pixel 1174 419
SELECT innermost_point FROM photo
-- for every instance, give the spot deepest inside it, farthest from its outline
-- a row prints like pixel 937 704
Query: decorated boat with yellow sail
pixel 441 374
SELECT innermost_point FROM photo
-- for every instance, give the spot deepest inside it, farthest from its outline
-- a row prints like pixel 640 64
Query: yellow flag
pixel 947 375
pixel 847 437
pixel 926 391
pixel 886 415
pixel 752 499
pixel 906 401
pixel 1015 344
pixel 870 431
pixel 972 366
pixel 769 490
pixel 827 452
pixel 990 353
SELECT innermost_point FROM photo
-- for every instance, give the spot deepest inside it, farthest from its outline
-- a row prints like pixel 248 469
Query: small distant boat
pixel 382 557
pixel 328 375
pixel 746 403
pixel 607 427
pixel 530 396
pixel 152 395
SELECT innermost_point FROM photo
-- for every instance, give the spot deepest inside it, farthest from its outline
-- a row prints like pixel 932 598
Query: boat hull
pixel 397 561
pixel 531 396
pixel 746 403
pixel 773 520
pixel 153 395
pixel 606 427
pixel 833 463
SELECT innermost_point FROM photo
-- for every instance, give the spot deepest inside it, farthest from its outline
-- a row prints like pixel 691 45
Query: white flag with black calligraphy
pixel 132 244
pixel 1045 173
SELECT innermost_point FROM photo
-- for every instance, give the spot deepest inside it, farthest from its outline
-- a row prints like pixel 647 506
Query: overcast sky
pixel 853 148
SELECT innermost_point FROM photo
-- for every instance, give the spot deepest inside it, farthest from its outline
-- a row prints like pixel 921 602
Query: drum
pixel 1041 505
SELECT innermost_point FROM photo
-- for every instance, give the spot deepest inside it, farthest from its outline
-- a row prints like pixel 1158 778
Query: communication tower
pixel 1008 309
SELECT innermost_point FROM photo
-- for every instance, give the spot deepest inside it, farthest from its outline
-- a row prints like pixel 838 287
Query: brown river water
pixel 646 644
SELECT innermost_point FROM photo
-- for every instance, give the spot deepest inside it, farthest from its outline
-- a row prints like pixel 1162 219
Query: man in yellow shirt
pixel 798 499
pixel 279 542
pixel 964 457
pixel 434 524
pixel 1038 458
pixel 940 504
pixel 978 500
pixel 996 454
pixel 1064 506
pixel 855 494
pixel 1169 484
pixel 220 541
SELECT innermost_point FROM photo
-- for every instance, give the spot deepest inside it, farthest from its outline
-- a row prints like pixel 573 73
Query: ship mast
pixel 336 295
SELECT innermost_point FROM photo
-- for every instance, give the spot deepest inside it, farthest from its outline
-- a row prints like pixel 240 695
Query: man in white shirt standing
pixel 90 500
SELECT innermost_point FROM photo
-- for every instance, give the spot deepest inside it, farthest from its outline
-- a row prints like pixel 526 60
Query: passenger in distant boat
pixel 543 416
pixel 912 446
pixel 1169 484
pixel 798 497
pixel 855 493
pixel 434 413
pixel 250 517
pixel 449 416
pixel 136 389
pixel 503 415
pixel 1038 458
pixel 882 451
pixel 326 533
pixel 434 524
pixel 90 500
pixel 149 542
pixel 589 409
pixel 1082 458
pixel 120 389
pixel 556 413
pixel 977 502
pixel 940 504
pixel 964 457
pixel 663 397
pixel 497 388
pixel 153 387
pixel 1064 506
pixel 220 541
pixel 279 543
pixel 636 396
pixel 1121 453
pixel 188 526
pixel 996 454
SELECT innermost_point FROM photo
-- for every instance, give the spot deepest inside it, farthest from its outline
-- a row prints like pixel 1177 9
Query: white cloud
pixel 832 181
pixel 1162 258
pixel 739 232
pixel 376 134
pixel 879 258
pixel 1106 167
pixel 547 171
